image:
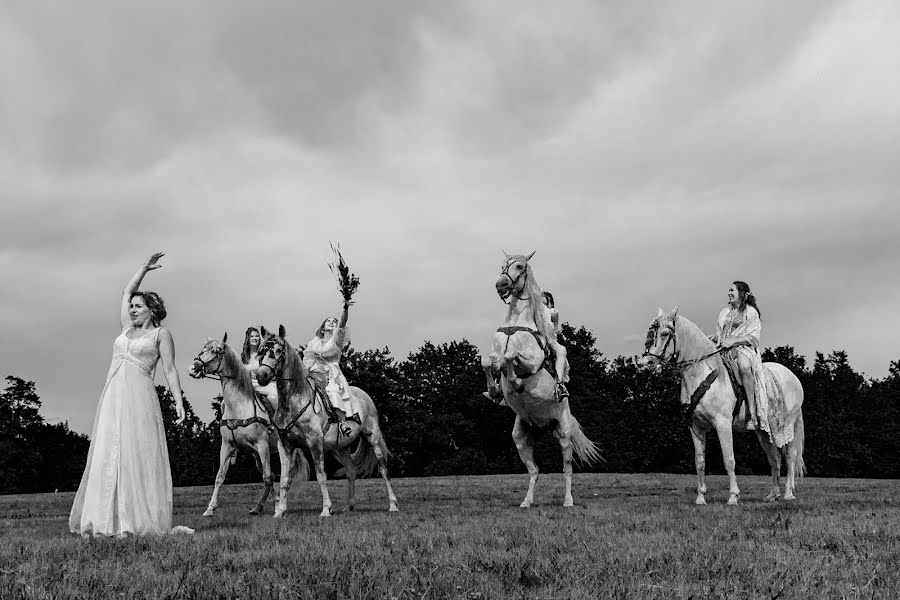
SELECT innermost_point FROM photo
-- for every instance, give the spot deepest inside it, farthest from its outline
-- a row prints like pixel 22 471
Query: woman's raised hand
pixel 151 262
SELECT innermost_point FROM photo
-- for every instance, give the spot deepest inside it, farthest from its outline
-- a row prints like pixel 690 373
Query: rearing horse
pixel 301 419
pixel 246 417
pixel 709 399
pixel 519 351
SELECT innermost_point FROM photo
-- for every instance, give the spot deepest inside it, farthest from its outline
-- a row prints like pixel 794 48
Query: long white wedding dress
pixel 127 484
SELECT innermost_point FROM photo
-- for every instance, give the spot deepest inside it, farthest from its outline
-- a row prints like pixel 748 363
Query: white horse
pixel 519 351
pixel 709 397
pixel 302 421
pixel 246 418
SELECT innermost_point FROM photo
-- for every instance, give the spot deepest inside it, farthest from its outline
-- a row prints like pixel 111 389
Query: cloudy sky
pixel 650 152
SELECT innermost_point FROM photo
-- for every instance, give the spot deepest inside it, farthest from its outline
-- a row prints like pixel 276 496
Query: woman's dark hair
pixel 155 304
pixel 746 297
pixel 245 351
pixel 549 298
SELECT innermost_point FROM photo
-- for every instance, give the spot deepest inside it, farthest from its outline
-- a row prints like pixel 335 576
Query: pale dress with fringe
pixel 127 485
pixel 746 324
pixel 324 355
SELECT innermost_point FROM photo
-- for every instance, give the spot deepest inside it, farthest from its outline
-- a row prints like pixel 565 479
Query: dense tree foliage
pixel 437 422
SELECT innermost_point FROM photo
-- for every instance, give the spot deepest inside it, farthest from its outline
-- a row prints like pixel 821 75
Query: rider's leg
pixel 334 395
pixel 745 368
pixel 560 364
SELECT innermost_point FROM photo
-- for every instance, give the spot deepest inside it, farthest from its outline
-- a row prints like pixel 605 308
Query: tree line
pixel 437 422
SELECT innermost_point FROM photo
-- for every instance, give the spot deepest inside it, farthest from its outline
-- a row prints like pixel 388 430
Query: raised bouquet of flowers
pixel 347 282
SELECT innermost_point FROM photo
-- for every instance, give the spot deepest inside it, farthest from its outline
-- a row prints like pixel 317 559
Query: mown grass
pixel 629 536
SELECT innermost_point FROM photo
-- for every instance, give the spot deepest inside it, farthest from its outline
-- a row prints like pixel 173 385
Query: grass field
pixel 629 536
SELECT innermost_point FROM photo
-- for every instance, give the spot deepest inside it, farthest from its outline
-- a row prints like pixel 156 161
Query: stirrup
pixel 751 425
pixel 345 428
pixel 561 391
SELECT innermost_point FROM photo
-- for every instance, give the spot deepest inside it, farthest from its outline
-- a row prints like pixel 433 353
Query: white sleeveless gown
pixel 127 484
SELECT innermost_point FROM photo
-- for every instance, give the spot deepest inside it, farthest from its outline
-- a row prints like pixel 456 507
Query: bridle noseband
pixel 268 347
pixel 673 359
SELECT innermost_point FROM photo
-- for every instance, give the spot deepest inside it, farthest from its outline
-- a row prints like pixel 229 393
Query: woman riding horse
pixel 738 331
pixel 322 358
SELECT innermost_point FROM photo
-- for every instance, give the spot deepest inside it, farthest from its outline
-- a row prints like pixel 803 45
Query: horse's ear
pixel 281 332
pixel 659 312
pixel 674 313
pixel 263 331
pixel 224 337
pixel 505 253
pixel 208 339
pixel 527 258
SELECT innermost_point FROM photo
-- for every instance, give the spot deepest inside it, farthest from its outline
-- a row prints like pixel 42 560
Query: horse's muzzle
pixel 504 286
pixel 263 375
pixel 196 370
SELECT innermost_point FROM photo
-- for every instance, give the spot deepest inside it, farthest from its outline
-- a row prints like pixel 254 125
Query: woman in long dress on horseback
pixel 738 330
pixel 322 358
pixel 127 483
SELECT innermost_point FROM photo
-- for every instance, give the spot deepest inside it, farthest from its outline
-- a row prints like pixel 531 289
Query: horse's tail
pixel 300 465
pixel 799 437
pixel 586 450
pixel 364 459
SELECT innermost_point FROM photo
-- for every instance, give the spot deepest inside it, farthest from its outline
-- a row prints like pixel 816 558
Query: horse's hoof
pixel 209 512
pixel 732 500
pixel 773 497
pixel 256 510
pixel 394 508
pixel 568 504
pixel 700 501
pixel 326 512
pixel 790 497
pixel 525 504
pixel 278 514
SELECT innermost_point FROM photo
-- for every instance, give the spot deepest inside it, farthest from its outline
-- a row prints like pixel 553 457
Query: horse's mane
pixel 242 378
pixel 536 303
pixel 294 362
pixel 693 342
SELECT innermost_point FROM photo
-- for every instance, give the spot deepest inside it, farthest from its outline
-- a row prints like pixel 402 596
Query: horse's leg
pixel 563 433
pixel 524 441
pixel 491 366
pixel 699 438
pixel 791 456
pixel 508 365
pixel 261 445
pixel 285 455
pixel 225 451
pixel 316 449
pixel 723 429
pixel 379 448
pixel 343 455
pixel 774 458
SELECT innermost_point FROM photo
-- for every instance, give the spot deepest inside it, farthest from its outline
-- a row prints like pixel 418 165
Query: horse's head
pixel 513 275
pixel 271 355
pixel 661 345
pixel 209 359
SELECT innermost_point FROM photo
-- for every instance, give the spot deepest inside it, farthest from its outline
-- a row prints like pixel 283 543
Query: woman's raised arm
pixel 133 285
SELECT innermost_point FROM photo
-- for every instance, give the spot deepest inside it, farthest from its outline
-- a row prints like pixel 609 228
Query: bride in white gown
pixel 127 484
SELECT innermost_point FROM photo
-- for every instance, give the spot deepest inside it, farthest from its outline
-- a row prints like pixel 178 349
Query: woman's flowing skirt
pixel 127 484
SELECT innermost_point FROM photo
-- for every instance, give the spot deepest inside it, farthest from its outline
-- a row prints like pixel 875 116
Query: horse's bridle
pixel 512 282
pixel 673 359
pixel 217 353
pixel 268 347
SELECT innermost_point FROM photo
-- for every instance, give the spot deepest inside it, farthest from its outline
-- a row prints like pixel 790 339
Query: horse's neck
pixel 236 401
pixel 293 379
pixel 520 313
pixel 692 343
